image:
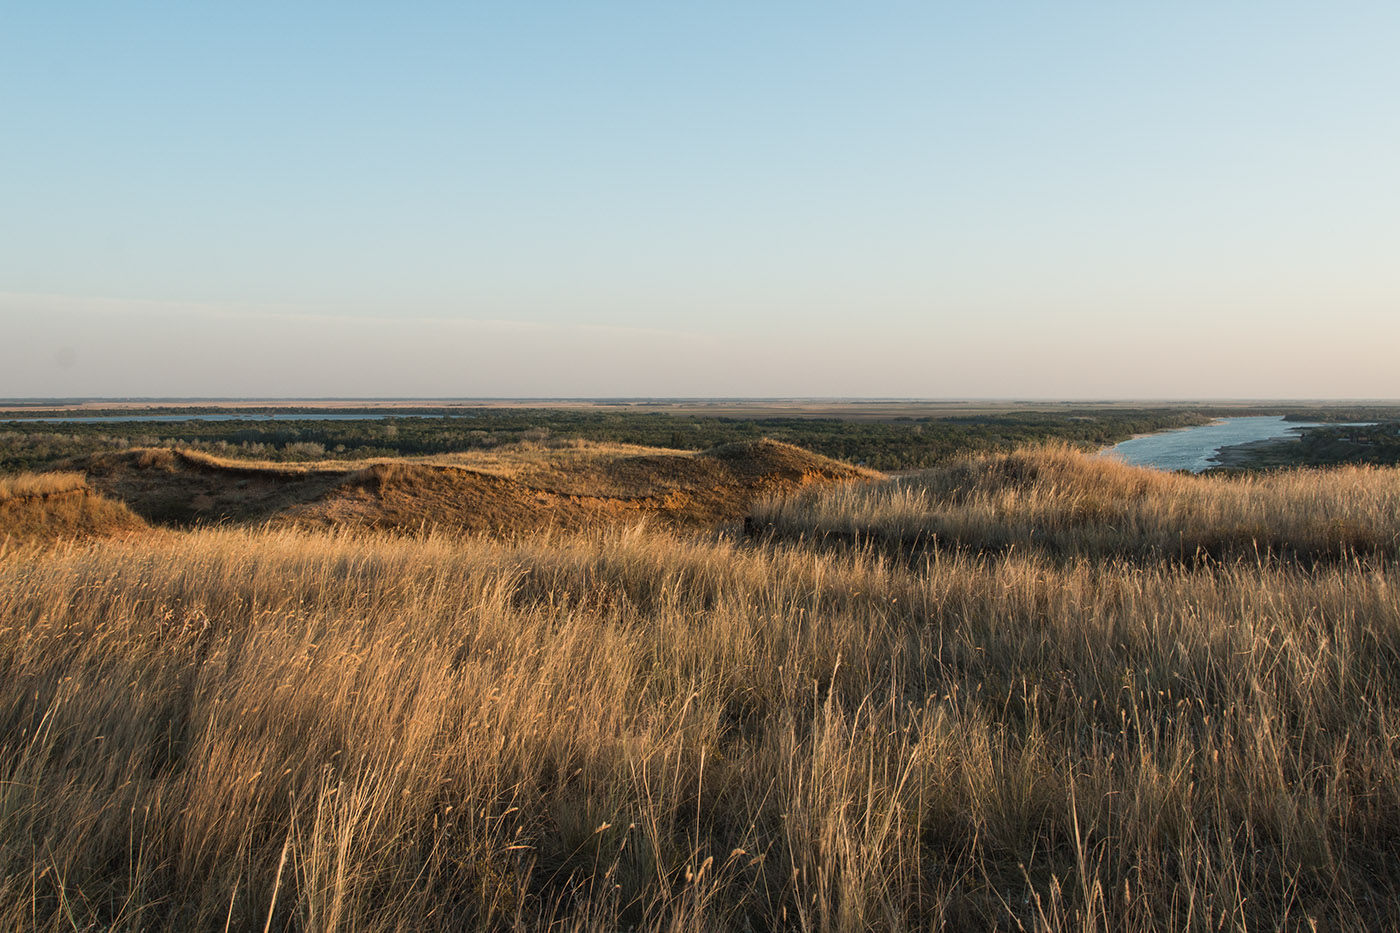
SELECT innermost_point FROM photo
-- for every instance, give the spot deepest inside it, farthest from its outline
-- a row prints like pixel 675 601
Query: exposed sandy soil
pixel 170 487
pixel 514 490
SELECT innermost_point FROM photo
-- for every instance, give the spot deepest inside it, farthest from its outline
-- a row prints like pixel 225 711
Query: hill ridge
pixel 512 490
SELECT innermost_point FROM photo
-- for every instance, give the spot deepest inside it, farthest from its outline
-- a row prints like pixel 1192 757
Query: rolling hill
pixel 515 490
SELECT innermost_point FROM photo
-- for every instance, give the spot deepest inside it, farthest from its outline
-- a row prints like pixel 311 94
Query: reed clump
pixel 638 728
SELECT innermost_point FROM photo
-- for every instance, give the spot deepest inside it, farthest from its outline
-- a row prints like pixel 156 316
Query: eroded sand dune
pixel 507 491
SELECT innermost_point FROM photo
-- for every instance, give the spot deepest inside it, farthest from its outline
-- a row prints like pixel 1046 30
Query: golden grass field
pixel 1052 500
pixel 1039 691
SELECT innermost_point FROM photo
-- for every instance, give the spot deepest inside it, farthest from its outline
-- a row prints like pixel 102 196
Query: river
pixel 1194 449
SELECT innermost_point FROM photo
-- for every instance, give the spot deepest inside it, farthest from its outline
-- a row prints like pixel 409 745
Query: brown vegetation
pixel 633 727
pixel 55 506
pixel 514 490
pixel 27 485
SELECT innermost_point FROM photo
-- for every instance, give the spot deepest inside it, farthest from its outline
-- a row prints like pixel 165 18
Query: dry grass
pixel 251 729
pixel 565 466
pixel 260 467
pixel 25 485
pixel 1062 502
pixel 46 507
pixel 560 456
pixel 520 490
pixel 515 461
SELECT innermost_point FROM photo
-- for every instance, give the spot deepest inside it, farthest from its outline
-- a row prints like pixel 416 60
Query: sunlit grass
pixel 1059 501
pixel 638 728
pixel 40 484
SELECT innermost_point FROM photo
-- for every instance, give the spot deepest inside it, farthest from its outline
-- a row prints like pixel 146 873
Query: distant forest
pixel 1376 444
pixel 899 444
pixel 904 443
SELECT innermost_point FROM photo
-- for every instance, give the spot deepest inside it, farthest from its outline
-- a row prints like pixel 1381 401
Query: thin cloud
pixel 30 303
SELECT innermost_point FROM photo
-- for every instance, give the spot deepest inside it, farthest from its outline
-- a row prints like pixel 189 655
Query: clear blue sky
pixel 721 199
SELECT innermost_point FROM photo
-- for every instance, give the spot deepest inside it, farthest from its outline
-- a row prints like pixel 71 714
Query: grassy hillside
pixel 517 489
pixel 633 727
pixel 46 507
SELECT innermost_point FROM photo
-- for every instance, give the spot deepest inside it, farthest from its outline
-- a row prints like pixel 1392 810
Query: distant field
pixel 887 442
pixel 1033 690
pixel 852 409
pixel 883 435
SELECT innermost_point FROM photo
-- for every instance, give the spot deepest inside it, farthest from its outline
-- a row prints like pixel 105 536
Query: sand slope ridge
pixel 520 488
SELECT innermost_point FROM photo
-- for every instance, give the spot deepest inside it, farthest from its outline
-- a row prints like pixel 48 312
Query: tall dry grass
pixel 1062 502
pixel 23 485
pixel 36 508
pixel 250 730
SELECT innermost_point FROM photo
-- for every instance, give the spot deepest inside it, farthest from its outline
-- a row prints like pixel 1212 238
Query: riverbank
pixel 1254 455
pixel 1319 446
pixel 1194 449
pixel 1108 449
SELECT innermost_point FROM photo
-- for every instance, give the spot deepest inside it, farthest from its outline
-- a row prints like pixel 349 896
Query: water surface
pixel 1194 449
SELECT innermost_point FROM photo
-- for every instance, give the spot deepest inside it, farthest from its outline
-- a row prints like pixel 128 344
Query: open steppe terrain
pixel 1035 690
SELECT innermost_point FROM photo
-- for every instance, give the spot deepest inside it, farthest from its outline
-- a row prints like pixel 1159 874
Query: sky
pixel 778 199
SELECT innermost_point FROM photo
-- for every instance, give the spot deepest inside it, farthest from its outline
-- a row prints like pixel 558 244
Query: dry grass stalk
pixel 636 728
pixel 24 485
pixel 1062 502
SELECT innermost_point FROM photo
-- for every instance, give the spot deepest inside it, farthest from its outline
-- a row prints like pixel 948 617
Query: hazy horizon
pixel 949 404
pixel 793 201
